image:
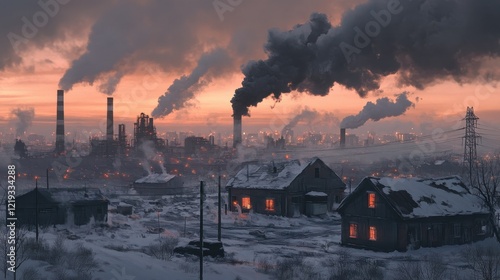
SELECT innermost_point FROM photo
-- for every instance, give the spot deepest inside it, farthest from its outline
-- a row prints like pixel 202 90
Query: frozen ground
pixel 251 242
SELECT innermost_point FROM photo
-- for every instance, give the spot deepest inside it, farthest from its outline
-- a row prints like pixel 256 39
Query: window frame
pixel 316 172
pixel 353 230
pixel 372 233
pixel 372 203
pixel 273 204
pixel 245 205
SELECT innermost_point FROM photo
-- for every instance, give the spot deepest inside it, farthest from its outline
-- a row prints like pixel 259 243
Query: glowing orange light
pixel 371 200
pixel 373 233
pixel 245 202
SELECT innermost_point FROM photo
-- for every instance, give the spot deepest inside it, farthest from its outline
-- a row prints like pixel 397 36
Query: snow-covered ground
pixel 251 242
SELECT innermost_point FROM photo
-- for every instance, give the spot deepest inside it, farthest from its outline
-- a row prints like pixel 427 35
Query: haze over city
pixel 92 52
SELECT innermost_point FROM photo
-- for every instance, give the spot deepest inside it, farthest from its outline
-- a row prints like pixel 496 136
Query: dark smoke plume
pixel 24 119
pixel 382 108
pixel 184 88
pixel 422 41
pixel 310 117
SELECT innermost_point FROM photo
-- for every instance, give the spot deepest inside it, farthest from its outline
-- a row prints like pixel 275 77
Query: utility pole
pixel 219 228
pixel 36 207
pixel 470 140
pixel 201 230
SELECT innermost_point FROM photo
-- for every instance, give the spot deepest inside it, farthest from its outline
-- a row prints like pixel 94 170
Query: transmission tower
pixel 470 140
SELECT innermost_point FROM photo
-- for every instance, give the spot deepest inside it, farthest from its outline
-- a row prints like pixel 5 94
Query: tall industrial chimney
pixel 342 137
pixel 237 137
pixel 60 123
pixel 109 125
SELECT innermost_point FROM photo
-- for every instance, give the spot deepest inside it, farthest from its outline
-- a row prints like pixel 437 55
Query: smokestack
pixel 60 123
pixel 342 137
pixel 237 138
pixel 109 128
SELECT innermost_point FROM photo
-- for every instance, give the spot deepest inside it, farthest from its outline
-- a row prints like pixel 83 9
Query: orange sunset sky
pixel 161 46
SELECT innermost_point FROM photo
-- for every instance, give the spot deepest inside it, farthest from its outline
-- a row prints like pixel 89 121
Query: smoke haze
pixel 311 117
pixel 23 119
pixel 382 108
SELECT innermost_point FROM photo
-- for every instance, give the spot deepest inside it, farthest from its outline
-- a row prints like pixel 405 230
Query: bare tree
pixel 485 183
pixel 484 262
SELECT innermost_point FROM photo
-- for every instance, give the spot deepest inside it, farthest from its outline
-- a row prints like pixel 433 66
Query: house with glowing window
pixel 387 214
pixel 288 188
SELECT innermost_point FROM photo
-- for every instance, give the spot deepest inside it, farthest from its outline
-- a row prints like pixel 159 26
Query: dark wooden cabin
pixel 289 188
pixel 386 214
pixel 60 205
pixel 159 184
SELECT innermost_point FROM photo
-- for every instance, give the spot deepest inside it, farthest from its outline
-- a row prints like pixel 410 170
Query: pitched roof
pixel 263 176
pixel 418 198
pixel 156 178
pixel 65 195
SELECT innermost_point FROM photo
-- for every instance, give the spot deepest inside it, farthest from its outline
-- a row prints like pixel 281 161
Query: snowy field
pixel 256 246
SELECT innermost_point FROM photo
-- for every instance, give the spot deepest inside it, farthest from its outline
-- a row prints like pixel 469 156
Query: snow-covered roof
pixel 263 176
pixel 314 193
pixel 156 178
pixel 414 197
pixel 65 195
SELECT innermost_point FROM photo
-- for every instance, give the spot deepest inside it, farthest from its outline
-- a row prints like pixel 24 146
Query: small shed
pixel 61 205
pixel 387 214
pixel 124 208
pixel 159 184
pixel 316 203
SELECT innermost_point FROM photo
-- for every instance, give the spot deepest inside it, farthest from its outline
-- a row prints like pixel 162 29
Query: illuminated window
pixel 270 204
pixel 353 230
pixel 371 200
pixel 245 203
pixel 373 233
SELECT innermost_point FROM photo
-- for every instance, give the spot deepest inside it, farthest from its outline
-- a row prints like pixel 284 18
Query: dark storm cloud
pixel 38 24
pixel 422 41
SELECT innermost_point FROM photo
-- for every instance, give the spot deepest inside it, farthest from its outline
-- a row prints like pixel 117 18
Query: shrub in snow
pixel 484 261
pixel 295 268
pixel 264 264
pixel 31 273
pixel 81 259
pixel 162 250
pixel 430 268
pixel 347 267
pixel 57 252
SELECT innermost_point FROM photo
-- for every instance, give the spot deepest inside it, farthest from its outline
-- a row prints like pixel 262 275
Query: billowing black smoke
pixel 422 41
pixel 382 108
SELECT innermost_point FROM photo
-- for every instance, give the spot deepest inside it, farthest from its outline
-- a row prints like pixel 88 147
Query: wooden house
pixel 61 205
pixel 159 184
pixel 386 214
pixel 289 188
